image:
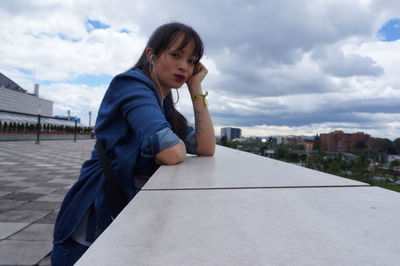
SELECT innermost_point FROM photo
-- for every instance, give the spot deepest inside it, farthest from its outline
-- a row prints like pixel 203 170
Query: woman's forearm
pixel 204 129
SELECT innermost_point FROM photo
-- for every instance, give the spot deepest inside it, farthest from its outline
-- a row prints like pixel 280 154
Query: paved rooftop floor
pixel 33 182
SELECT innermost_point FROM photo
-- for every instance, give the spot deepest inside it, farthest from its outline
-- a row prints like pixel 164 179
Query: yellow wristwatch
pixel 201 97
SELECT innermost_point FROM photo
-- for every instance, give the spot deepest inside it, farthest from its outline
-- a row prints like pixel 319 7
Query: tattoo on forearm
pixel 198 121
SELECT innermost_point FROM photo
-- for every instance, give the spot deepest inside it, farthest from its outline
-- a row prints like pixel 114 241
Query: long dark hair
pixel 161 39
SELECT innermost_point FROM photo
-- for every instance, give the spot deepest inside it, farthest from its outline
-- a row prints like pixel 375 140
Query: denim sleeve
pixel 190 141
pixel 163 139
pixel 142 110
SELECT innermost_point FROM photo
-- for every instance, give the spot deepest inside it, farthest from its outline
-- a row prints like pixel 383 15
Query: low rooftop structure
pixel 13 98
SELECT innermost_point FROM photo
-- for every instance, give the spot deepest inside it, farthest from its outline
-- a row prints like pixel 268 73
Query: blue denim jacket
pixel 133 128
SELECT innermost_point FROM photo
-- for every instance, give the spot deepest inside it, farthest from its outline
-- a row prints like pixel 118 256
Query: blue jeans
pixel 67 253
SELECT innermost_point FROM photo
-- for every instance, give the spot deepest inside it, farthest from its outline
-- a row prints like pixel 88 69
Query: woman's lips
pixel 179 78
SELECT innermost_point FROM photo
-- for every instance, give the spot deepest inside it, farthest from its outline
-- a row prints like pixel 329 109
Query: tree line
pixel 33 127
pixel 362 163
pixel 376 151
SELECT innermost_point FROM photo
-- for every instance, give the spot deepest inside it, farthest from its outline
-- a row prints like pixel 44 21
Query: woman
pixel 138 128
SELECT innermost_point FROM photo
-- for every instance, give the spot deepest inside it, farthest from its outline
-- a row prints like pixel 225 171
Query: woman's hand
pixel 194 82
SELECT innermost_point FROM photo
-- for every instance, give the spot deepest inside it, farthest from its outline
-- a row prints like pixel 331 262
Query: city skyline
pixel 275 67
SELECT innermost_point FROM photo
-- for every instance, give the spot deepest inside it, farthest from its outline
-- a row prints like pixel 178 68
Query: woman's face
pixel 174 67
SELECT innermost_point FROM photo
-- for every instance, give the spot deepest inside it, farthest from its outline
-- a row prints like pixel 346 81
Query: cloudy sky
pixel 276 67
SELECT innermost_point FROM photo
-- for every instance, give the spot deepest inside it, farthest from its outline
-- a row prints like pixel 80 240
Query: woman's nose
pixel 183 65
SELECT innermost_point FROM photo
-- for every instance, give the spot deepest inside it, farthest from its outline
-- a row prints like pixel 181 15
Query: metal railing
pixel 22 123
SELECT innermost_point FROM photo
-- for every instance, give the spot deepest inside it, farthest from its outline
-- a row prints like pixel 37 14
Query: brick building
pixel 344 142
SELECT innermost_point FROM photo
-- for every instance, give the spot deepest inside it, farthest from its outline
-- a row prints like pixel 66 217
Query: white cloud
pixel 292 66
pixel 58 47
pixel 333 61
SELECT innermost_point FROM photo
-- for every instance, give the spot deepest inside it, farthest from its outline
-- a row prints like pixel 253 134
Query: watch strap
pixel 201 97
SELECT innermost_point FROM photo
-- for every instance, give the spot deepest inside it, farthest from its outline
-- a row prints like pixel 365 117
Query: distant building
pixel 287 139
pixel 392 158
pixel 68 118
pixel 231 133
pixel 19 106
pixel 308 144
pixel 344 142
pixel 15 99
pixel 241 139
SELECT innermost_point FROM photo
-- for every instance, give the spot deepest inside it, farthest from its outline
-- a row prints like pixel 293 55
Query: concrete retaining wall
pixel 237 208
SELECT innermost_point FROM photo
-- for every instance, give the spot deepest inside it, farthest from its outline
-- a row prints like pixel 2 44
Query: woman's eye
pixel 191 61
pixel 175 55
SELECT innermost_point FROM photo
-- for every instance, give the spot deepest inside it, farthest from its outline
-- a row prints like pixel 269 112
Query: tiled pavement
pixel 33 182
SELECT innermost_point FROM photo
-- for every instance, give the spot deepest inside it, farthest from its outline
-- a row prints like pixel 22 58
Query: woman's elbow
pixel 177 157
pixel 174 159
pixel 209 151
pixel 173 155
